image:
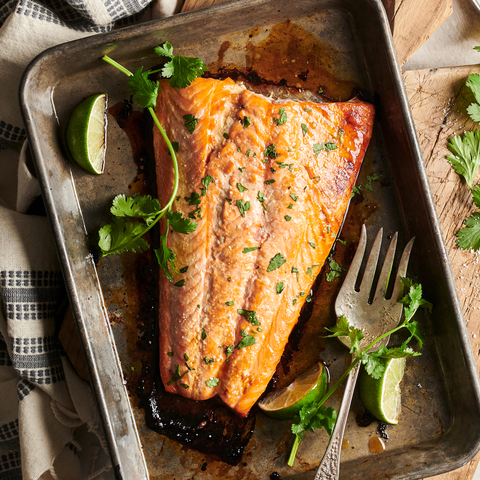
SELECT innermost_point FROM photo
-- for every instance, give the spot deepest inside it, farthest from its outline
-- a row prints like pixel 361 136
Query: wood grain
pixel 438 99
pixel 412 22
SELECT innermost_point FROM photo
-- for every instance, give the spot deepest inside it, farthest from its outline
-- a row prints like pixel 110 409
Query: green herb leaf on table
pixel 120 236
pixel 466 155
pixel 469 237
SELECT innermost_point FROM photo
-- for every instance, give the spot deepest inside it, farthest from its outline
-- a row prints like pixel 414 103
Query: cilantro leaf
pixel 279 288
pixel 250 315
pixel 466 155
pixel 182 71
pixel 473 83
pixel 145 92
pixel 246 342
pixel 190 122
pixel 246 123
pixel 283 116
pixel 335 270
pixel 165 256
pixel 181 224
pixel 276 262
pixel 304 128
pixel 212 382
pixel 343 329
pixel 177 375
pixel 474 111
pixel 413 299
pixel 313 416
pixel 476 195
pixel 243 207
pixel 120 237
pixel 207 180
pixel 136 206
pixel 469 237
pixel 250 249
pixel 374 365
pixel 270 151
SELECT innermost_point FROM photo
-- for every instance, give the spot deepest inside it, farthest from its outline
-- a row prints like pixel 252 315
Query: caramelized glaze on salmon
pixel 278 176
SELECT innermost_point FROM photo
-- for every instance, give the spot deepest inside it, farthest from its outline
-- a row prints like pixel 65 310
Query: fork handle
pixel 329 468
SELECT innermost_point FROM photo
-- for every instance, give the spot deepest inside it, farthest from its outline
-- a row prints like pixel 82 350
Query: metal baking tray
pixel 438 430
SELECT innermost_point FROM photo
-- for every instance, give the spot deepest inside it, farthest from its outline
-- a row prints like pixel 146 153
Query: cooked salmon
pixel 268 182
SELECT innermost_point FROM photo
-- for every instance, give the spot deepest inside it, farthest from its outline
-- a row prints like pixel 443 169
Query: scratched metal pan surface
pixel 350 40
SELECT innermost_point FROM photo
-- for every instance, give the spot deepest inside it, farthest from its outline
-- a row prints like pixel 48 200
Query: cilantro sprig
pixel 315 415
pixel 120 235
pixel 465 160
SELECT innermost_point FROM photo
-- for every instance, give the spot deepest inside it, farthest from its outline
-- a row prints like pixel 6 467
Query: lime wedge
pixel 382 397
pixel 87 133
pixel 307 388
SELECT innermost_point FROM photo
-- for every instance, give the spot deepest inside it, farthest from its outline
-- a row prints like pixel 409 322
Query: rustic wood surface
pixel 438 99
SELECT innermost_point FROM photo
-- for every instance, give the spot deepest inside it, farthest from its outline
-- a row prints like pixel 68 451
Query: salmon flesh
pixel 268 182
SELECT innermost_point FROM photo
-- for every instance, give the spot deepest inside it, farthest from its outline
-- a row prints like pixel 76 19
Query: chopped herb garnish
pixel 340 134
pixel 302 294
pixel 250 315
pixel 241 169
pixel 184 385
pixel 290 206
pixel 272 170
pixel 293 197
pixel 260 197
pixel 343 242
pixel 308 299
pixel 295 270
pixel 246 122
pixel 270 152
pixel 177 375
pixel 225 135
pixel 175 146
pixel 186 357
pixel 247 153
pixel 283 116
pixel 229 304
pixel 193 199
pixel 335 270
pixel 170 354
pixel 312 244
pixel 250 249
pixel 239 149
pixel 229 350
pixel 208 360
pixel 241 188
pixel 198 306
pixel 280 288
pixel 229 279
pixel 370 179
pixel 180 283
pixel 269 182
pixel 294 301
pixel 259 329
pixel 212 382
pixel 229 200
pixel 320 90
pixel 246 342
pixel 308 109
pixel 304 129
pixel 288 218
pixel 243 207
pixel 190 122
pixel 309 271
pixel 204 334
pixel 276 262
pixel 184 269
pixel 206 181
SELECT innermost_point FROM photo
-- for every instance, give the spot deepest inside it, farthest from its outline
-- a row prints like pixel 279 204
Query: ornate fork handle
pixel 329 468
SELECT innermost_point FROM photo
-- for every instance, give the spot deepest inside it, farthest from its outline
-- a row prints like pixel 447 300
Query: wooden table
pixel 438 105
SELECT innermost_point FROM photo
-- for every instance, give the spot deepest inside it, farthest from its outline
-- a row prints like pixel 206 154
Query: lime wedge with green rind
pixel 307 388
pixel 87 133
pixel 382 397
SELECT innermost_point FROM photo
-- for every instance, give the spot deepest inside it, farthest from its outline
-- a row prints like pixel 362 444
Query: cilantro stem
pixel 168 206
pixel 112 62
pixel 328 394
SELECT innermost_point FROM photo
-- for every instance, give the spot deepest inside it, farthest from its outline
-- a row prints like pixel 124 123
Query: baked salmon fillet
pixel 268 182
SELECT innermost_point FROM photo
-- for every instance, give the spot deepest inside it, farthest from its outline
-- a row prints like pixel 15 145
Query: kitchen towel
pixel 49 424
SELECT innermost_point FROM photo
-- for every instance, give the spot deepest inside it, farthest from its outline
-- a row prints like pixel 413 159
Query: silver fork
pixel 374 319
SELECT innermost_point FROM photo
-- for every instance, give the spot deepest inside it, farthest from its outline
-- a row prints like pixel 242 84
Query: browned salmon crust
pixel 282 175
